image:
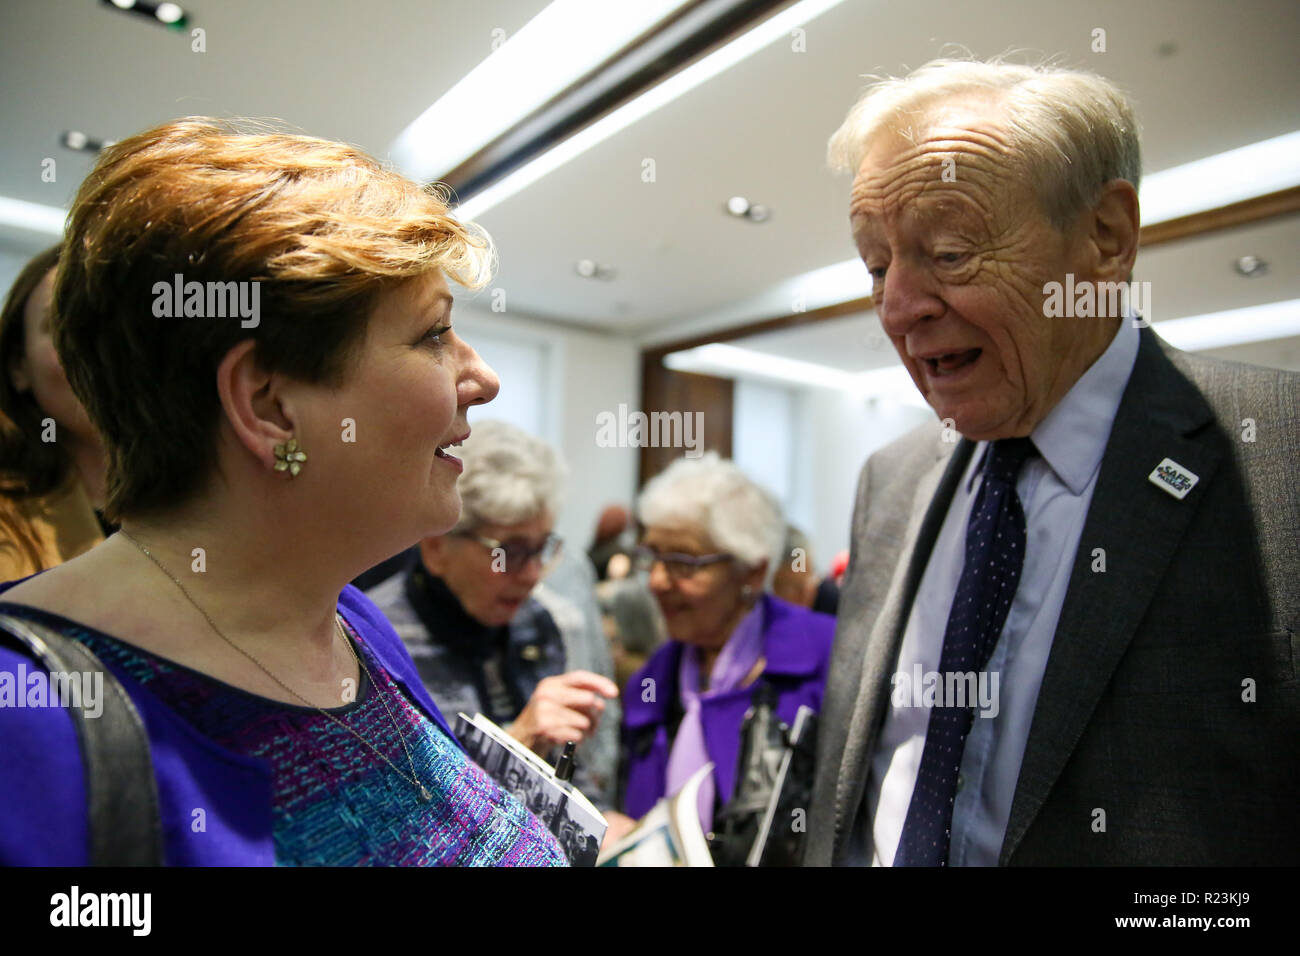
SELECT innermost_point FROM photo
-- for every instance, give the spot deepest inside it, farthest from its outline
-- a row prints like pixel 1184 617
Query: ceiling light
pixel 1276 320
pixel 1255 170
pixel 590 269
pixel 519 77
pixel 1252 267
pixel 729 361
pixel 1216 330
pixel 742 208
pixel 769 31
pixel 32 215
pixel 168 14
pixel 76 140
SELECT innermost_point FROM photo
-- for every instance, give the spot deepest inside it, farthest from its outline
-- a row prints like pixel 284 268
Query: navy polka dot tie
pixel 995 553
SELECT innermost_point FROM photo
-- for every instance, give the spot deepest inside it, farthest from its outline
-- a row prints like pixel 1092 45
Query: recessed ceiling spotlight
pixel 1252 267
pixel 168 14
pixel 742 208
pixel 79 141
pixel 590 269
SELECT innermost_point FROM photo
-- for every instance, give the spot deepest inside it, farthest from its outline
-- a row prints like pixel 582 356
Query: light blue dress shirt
pixel 1055 491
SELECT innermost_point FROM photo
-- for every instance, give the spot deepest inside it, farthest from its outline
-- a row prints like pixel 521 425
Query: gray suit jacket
pixel 1142 711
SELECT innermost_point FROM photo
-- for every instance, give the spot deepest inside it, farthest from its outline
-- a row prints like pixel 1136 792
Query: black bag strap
pixel 121 793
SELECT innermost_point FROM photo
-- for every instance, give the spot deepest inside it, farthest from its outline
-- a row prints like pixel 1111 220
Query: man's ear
pixel 251 404
pixel 1116 223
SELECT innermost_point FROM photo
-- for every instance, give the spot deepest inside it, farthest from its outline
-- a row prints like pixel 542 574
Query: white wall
pixel 814 444
pixel 762 437
pixel 585 373
pixel 838 432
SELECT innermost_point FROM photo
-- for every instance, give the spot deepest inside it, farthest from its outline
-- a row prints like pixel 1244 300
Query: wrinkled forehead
pixel 933 162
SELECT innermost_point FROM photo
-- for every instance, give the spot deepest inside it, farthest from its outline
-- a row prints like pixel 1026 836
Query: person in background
pixel 633 624
pixel 610 552
pixel 794 580
pixel 712 538
pixel 568 594
pixel 465 610
pixel 262 451
pixel 52 472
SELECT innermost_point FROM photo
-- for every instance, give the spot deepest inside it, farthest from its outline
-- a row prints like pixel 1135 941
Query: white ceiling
pixel 361 72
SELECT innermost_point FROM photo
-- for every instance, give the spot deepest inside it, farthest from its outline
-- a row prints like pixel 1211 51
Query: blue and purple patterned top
pixel 334 800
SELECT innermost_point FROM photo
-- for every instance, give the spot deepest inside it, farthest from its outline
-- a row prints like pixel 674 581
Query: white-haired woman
pixel 712 538
pixel 465 608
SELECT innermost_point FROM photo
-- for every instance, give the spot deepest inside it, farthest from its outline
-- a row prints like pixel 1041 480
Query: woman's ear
pixel 18 376
pixel 755 576
pixel 251 403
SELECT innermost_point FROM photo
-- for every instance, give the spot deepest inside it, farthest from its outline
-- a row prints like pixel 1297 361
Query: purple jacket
pixel 42 785
pixel 797 647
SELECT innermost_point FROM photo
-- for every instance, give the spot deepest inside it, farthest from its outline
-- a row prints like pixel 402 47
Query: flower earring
pixel 289 458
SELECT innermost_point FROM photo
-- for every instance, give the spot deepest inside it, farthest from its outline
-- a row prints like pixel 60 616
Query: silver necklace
pixel 413 779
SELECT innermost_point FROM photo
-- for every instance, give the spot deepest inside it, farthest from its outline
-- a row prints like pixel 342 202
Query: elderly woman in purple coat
pixel 712 538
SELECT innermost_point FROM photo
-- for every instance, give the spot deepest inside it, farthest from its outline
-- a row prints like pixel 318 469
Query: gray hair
pixel 510 476
pixel 1075 130
pixel 635 612
pixel 716 497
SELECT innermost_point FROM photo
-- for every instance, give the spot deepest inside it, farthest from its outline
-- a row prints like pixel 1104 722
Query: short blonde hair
pixel 322 228
pixel 1074 130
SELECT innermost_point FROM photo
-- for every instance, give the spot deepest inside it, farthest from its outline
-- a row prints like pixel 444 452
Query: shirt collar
pixel 1072 438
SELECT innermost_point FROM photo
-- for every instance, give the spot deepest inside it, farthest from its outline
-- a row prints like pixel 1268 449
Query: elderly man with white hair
pixel 712 539
pixel 468 612
pixel 1067 634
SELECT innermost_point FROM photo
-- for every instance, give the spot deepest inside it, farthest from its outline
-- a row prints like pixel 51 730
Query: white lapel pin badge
pixel 1173 478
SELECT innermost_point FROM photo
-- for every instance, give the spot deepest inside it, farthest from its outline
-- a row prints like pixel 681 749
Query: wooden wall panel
pixel 664 390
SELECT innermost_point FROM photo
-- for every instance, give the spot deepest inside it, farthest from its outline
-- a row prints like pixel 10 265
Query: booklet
pixel 564 810
pixel 669 835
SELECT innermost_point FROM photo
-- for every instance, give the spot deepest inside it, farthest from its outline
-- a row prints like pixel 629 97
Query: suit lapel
pixel 937 485
pixel 1139 526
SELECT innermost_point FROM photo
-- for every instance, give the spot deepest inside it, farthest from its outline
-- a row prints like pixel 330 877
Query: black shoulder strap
pixel 121 794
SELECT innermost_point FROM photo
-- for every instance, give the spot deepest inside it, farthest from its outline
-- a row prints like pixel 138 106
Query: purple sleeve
pixel 42 783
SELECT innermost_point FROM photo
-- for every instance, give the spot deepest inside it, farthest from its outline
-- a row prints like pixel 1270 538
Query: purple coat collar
pixel 786 649
pixel 796 646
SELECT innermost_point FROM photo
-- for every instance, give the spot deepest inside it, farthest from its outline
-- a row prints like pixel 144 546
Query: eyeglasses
pixel 517 553
pixel 676 564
